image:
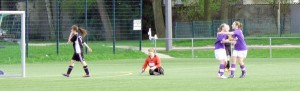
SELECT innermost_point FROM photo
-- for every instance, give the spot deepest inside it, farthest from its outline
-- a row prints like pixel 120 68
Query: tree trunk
pixel 105 20
pixel 207 11
pixel 50 19
pixel 158 18
pixel 224 10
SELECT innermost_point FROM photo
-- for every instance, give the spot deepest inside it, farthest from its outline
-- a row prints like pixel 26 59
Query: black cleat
pixel 231 76
pixel 86 76
pixel 243 75
pixel 66 75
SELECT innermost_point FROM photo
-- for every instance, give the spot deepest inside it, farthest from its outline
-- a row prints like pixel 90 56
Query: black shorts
pixel 158 70
pixel 78 57
pixel 228 49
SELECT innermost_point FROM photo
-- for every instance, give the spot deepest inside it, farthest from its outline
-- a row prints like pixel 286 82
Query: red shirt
pixel 155 61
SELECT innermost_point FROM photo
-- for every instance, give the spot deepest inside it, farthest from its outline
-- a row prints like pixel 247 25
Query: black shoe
pixel 231 76
pixel 243 75
pixel 86 76
pixel 66 75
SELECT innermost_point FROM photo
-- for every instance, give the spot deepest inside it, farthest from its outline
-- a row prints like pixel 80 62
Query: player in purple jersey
pixel 76 36
pixel 240 48
pixel 220 52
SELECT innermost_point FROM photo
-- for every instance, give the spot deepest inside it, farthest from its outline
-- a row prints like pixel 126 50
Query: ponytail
pixel 238 24
pixel 82 32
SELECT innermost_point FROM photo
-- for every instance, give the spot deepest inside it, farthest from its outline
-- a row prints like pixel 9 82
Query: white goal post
pixel 22 41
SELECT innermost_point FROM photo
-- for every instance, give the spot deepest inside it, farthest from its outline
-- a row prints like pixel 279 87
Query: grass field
pixel 279 74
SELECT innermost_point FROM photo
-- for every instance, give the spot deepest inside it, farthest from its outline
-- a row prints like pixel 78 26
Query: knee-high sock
pixel 243 68
pixel 221 69
pixel 69 69
pixel 232 69
pixel 86 69
pixel 228 64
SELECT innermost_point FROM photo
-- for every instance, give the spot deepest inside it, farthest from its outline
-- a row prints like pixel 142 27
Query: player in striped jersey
pixel 76 37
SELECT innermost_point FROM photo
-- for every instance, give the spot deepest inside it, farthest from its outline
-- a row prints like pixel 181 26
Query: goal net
pixel 12 43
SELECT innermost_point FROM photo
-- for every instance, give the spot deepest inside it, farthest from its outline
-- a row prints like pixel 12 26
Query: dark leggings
pixel 158 70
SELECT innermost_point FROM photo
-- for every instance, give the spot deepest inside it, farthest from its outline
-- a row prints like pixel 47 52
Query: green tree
pixel 224 10
pixel 207 10
pixel 198 9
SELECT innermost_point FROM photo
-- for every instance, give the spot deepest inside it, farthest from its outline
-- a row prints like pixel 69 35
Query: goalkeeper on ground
pixel 154 63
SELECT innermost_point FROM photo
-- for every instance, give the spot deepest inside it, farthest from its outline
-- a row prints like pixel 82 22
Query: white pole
pixel 278 18
pixel 270 48
pixel 154 45
pixel 193 48
pixel 23 45
pixel 23 56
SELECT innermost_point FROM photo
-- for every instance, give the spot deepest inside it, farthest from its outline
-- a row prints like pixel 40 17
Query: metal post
pixel 168 18
pixel 193 31
pixel 154 45
pixel 270 48
pixel 86 37
pixel 278 17
pixel 23 46
pixel 27 28
pixel 176 28
pixel 57 27
pixel 114 26
pixel 245 29
pixel 141 16
pixel 193 48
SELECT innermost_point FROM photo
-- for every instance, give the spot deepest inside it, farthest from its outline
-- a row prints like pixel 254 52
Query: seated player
pixel 153 62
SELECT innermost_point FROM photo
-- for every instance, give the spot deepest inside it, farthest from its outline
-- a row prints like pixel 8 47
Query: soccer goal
pixel 12 43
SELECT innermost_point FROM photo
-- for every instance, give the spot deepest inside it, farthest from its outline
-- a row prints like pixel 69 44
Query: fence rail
pixel 193 47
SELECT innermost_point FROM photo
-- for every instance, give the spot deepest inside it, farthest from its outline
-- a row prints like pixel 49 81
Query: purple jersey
pixel 240 42
pixel 218 44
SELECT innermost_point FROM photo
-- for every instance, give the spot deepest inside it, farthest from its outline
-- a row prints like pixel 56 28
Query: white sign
pixel 137 24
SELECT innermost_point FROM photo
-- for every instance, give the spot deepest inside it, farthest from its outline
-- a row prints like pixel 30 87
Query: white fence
pixel 269 46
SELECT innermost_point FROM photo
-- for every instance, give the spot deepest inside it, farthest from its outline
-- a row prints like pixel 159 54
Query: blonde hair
pixel 78 29
pixel 221 27
pixel 238 24
pixel 151 50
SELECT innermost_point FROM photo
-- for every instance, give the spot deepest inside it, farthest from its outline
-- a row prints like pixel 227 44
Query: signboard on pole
pixel 137 24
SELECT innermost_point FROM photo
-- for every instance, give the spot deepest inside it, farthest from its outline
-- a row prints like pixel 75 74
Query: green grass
pixel 180 75
pixel 252 53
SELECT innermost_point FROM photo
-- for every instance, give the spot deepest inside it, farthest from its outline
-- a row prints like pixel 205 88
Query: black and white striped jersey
pixel 78 42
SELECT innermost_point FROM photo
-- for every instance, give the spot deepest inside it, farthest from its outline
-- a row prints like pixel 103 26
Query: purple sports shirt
pixel 218 44
pixel 240 42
